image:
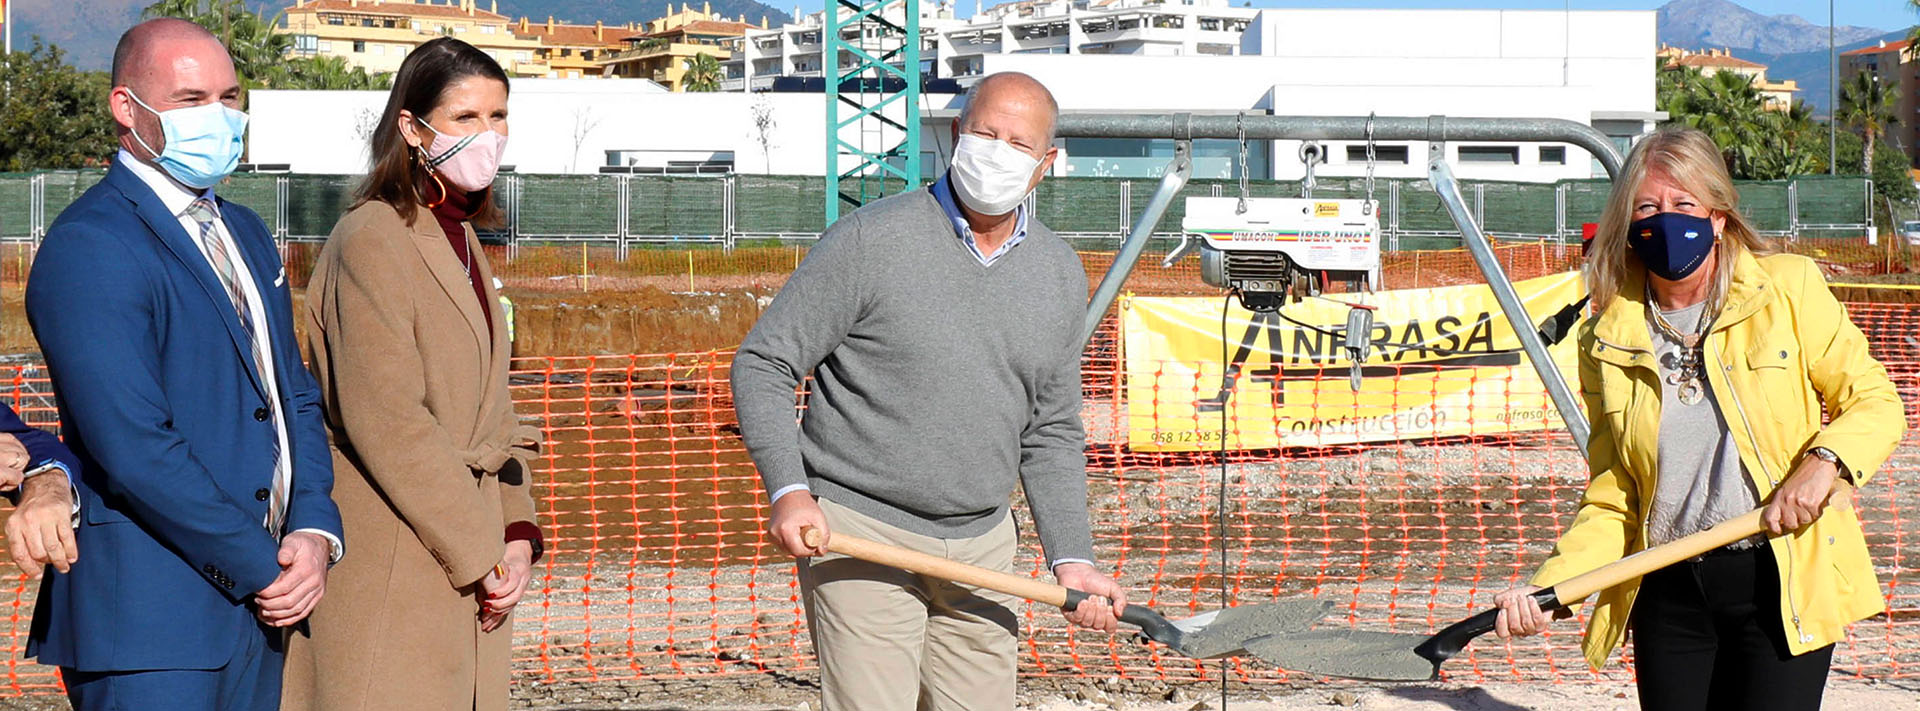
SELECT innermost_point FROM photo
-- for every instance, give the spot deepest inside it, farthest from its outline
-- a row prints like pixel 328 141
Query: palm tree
pixel 1867 104
pixel 703 73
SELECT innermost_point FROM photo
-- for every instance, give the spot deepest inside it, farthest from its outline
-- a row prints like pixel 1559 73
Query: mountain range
pixel 88 29
pixel 1790 45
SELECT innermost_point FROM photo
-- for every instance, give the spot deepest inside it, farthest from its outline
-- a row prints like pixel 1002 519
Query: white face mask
pixel 991 176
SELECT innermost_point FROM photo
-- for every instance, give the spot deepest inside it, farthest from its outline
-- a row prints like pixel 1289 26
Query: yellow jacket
pixel 1781 352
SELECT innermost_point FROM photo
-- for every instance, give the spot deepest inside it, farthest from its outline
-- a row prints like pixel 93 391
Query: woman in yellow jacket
pixel 1706 372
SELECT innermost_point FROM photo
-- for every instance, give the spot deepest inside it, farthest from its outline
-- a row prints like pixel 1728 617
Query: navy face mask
pixel 1673 245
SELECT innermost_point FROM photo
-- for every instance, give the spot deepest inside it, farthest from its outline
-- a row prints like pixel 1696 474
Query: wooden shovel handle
pixel 917 562
pixel 1577 588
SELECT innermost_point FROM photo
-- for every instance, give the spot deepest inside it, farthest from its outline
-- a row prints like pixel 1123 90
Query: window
pixel 399 50
pixel 460 30
pixel 1394 155
pixel 1553 155
pixel 486 29
pixel 306 44
pixel 359 46
pixel 416 25
pixel 1498 155
pixel 325 46
pixel 525 56
pixel 379 49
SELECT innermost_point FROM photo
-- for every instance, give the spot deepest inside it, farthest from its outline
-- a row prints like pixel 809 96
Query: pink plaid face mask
pixel 468 162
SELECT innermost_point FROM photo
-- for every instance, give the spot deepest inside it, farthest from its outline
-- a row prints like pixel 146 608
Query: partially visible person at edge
pixel 206 522
pixel 940 329
pixel 409 344
pixel 1707 370
pixel 37 472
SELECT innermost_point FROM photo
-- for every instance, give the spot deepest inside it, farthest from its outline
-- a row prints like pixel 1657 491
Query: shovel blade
pixel 1348 653
pixel 1225 632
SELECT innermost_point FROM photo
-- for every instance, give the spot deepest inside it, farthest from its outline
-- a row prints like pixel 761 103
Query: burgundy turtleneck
pixel 452 214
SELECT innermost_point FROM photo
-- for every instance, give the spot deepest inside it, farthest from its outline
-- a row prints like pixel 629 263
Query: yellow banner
pixel 1444 362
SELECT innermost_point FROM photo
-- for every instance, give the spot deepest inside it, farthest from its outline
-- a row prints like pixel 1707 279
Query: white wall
pixel 1322 62
pixel 1405 63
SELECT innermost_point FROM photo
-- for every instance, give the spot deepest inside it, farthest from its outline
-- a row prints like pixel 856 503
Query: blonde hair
pixel 1694 164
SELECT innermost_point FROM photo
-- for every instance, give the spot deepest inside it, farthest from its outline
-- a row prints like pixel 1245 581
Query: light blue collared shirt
pixel 943 194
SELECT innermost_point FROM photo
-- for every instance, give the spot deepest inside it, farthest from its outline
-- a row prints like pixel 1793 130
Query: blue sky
pixel 1882 14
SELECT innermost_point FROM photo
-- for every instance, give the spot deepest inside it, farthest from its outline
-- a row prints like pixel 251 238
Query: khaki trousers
pixel 890 640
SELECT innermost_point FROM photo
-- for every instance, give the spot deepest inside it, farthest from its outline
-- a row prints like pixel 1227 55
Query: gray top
pixel 1701 481
pixel 938 382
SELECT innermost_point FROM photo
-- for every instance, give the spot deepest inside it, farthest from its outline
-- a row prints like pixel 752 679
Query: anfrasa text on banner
pixel 1444 362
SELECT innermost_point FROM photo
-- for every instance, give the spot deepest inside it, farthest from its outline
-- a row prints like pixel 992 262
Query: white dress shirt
pixel 178 198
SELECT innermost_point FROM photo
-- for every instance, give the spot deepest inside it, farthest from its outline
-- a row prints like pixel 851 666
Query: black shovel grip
pixel 1155 627
pixel 1455 637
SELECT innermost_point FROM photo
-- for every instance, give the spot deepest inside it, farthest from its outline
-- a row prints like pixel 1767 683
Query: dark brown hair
pixel 394 175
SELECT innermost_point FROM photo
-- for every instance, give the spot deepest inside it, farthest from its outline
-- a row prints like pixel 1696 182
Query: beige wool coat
pixel 430 466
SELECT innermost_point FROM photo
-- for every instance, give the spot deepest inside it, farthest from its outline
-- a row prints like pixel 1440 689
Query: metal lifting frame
pixel 870 76
pixel 1183 128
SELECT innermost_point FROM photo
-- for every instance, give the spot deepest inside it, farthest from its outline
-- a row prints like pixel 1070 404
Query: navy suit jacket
pixel 160 399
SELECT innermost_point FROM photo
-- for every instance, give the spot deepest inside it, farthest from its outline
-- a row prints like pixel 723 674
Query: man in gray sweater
pixel 940 327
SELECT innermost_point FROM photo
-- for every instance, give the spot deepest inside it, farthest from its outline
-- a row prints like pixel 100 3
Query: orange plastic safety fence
pixel 659 566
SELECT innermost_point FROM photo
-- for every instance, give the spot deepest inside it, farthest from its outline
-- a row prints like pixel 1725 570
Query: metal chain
pixel 1367 209
pixel 1240 127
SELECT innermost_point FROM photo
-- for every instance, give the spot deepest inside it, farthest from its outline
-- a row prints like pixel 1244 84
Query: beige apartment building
pixel 575 51
pixel 377 35
pixel 1774 95
pixel 1892 62
pixel 666 47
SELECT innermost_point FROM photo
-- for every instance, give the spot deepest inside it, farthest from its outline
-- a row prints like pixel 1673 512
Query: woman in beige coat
pixel 407 340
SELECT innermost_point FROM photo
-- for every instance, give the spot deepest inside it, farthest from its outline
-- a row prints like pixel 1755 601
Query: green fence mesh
pixel 16 205
pixel 697 207
pixel 674 207
pixel 779 204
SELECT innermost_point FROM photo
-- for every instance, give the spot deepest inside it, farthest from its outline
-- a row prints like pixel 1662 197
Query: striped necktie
pixel 221 255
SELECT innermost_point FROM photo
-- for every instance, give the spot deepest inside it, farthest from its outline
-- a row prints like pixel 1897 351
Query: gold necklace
pixel 1689 367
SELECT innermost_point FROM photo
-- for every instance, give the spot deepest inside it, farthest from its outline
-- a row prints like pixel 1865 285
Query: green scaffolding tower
pixel 872 67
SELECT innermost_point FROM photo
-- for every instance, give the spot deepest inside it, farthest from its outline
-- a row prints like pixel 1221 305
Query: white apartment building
pixel 1457 63
pixel 954 48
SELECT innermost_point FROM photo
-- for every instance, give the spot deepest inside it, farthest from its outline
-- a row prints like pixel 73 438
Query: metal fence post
pixel 1793 208
pixel 281 192
pixel 1560 213
pixel 1393 216
pixel 622 198
pixel 729 190
pixel 1873 235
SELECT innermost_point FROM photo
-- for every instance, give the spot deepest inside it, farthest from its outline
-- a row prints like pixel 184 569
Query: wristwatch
pixel 1827 455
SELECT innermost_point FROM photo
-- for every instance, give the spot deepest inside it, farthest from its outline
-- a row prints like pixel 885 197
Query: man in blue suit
pixel 206 518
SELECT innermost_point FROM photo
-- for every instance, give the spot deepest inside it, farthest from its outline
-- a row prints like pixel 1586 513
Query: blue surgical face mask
pixel 203 142
pixel 1673 245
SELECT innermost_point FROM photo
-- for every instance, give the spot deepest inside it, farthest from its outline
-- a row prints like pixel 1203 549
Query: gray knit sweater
pixel 938 381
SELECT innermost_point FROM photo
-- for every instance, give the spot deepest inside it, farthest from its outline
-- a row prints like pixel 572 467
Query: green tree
pixel 258 52
pixel 1868 104
pixel 703 73
pixel 52 116
pixel 1756 143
